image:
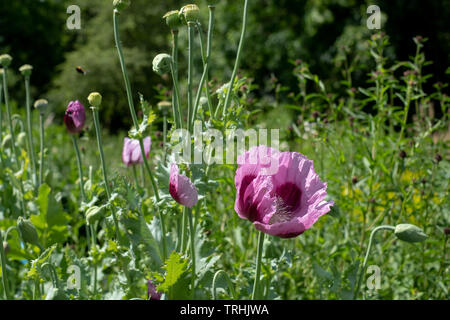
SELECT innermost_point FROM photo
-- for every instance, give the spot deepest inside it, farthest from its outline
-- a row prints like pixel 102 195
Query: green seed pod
pixel 94 214
pixel 164 107
pixel 162 63
pixel 6 141
pixel 5 60
pixel 95 99
pixel 410 233
pixel 28 231
pixel 121 5
pixel 190 12
pixel 26 70
pixel 173 19
pixel 21 139
pixel 41 104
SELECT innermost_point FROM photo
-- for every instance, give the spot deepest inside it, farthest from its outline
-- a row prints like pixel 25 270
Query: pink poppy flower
pixel 131 153
pixel 151 291
pixel 181 188
pixel 285 203
pixel 75 117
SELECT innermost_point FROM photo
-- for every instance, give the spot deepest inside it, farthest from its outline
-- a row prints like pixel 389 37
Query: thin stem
pixel 230 284
pixel 363 268
pixel 4 272
pixel 192 233
pixel 1 113
pixel 183 229
pixel 258 265
pixel 135 176
pixel 165 137
pixel 105 174
pixel 80 168
pixel 238 59
pixel 190 71
pixel 176 94
pixel 29 128
pixel 176 108
pixel 41 164
pixel 8 116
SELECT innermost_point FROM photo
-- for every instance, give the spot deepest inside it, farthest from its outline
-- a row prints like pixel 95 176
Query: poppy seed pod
pixel 94 214
pixel 26 70
pixel 5 60
pixel 164 107
pixel 41 105
pixel 162 63
pixel 410 233
pixel 95 99
pixel 121 5
pixel 28 231
pixel 173 19
pixel 190 13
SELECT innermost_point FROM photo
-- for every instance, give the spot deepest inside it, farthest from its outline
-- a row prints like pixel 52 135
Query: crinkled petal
pixel 181 188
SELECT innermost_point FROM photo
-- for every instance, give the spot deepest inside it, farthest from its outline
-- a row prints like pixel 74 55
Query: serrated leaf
pixel 174 267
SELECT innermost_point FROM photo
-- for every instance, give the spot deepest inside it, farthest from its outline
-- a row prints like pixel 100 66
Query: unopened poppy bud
pixel 5 60
pixel 28 231
pixel 190 13
pixel 21 139
pixel 95 99
pixel 94 214
pixel 410 233
pixel 121 5
pixel 173 19
pixel 41 105
pixel 162 63
pixel 26 70
pixel 164 107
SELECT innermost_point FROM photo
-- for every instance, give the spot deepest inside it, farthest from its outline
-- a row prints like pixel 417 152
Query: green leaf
pixel 175 267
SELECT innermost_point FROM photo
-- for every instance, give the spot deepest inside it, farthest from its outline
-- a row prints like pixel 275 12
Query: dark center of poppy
pixel 287 202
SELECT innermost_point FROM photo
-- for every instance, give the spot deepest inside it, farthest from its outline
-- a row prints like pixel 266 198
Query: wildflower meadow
pixel 216 190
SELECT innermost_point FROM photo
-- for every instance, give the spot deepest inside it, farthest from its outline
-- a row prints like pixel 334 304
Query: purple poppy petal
pixel 181 188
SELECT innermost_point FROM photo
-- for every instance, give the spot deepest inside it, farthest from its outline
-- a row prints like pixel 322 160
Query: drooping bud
pixel 21 139
pixel 26 70
pixel 5 60
pixel 173 19
pixel 41 105
pixel 121 5
pixel 164 107
pixel 94 214
pixel 410 233
pixel 162 63
pixel 190 13
pixel 28 231
pixel 95 99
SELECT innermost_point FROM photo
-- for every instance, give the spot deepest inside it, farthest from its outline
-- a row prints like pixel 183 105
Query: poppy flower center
pixel 287 202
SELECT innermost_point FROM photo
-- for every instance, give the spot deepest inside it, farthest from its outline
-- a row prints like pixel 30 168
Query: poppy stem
pixel 80 168
pixel 4 272
pixel 190 71
pixel 174 69
pixel 192 233
pixel 363 268
pixel 255 293
pixel 136 180
pixel 105 174
pixel 29 128
pixel 230 284
pixel 238 59
pixel 41 163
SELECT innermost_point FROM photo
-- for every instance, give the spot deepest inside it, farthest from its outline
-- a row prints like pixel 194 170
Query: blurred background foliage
pixel 280 31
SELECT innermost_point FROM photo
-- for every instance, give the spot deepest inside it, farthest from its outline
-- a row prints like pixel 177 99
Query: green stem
pixel 258 265
pixel 29 128
pixel 105 174
pixel 8 116
pixel 192 233
pixel 176 94
pixel 41 164
pixel 4 272
pixel 80 168
pixel 165 137
pixel 183 229
pixel 176 108
pixel 190 71
pixel 238 59
pixel 1 113
pixel 230 284
pixel 363 268
pixel 135 176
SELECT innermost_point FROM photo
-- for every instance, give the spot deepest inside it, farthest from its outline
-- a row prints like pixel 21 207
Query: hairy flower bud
pixel 94 214
pixel 162 63
pixel 41 105
pixel 5 60
pixel 410 233
pixel 121 5
pixel 28 231
pixel 26 70
pixel 173 19
pixel 95 99
pixel 190 13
